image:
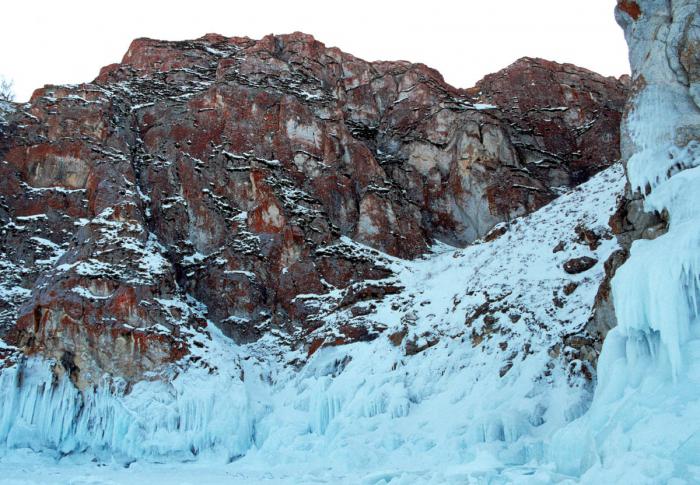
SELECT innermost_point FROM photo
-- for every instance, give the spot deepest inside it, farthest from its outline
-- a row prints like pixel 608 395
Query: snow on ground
pixel 488 386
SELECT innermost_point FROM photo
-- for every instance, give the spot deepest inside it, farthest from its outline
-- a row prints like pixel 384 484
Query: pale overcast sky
pixel 52 42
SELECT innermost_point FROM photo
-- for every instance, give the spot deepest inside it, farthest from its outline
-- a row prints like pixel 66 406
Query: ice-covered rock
pixel 270 252
pixel 644 423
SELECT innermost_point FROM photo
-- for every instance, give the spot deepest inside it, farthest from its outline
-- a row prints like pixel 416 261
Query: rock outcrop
pixel 221 180
pixel 676 50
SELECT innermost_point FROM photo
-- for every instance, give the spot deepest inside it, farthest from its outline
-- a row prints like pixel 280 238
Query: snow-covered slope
pixel 469 379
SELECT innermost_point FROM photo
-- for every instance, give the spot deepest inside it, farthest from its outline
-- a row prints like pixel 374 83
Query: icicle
pixel 193 414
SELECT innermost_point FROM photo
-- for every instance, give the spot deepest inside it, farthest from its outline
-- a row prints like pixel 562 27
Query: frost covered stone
pixel 227 175
pixel 492 392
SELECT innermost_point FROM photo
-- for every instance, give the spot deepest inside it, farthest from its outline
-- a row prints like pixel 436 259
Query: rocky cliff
pixel 226 177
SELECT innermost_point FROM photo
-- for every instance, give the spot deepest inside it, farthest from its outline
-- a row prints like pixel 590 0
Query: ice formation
pixel 644 422
pixel 193 412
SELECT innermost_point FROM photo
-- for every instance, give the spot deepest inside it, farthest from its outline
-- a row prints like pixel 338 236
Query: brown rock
pixel 579 265
pixel 397 337
pixel 569 288
pixel 630 7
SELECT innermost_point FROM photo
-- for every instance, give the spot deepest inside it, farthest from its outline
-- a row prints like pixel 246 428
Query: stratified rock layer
pixel 221 176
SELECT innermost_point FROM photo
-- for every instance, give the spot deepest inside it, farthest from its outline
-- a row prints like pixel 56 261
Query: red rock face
pixel 568 117
pixel 631 8
pixel 216 180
